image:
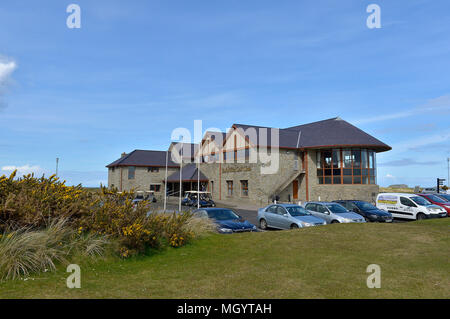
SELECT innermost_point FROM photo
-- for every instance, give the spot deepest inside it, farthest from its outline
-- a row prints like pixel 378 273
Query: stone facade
pixel 143 178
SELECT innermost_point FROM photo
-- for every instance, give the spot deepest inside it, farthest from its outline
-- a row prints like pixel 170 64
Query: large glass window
pixel 346 166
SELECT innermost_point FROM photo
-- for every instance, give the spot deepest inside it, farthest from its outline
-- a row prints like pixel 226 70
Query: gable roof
pixel 144 158
pixel 333 132
pixel 189 174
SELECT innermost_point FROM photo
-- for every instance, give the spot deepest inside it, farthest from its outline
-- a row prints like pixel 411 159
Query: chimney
pixel 123 155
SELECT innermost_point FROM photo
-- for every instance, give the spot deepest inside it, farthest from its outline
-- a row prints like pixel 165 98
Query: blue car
pixel 286 216
pixel 227 220
pixel 370 212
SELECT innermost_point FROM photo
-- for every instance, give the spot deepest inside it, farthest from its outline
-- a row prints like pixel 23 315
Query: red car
pixel 436 200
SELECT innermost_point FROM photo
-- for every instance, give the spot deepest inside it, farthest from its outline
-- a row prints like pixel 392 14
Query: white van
pixel 409 206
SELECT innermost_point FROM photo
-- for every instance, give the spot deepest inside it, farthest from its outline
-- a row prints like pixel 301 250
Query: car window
pixel 405 201
pixel 281 210
pixel 311 207
pixel 272 209
pixel 321 209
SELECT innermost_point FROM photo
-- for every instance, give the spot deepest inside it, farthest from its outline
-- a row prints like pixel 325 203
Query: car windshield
pixel 222 214
pixel 336 208
pixel 297 211
pixel 436 199
pixel 365 206
pixel 419 200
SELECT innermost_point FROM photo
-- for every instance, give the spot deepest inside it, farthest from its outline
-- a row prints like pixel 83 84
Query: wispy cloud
pixel 22 170
pixel 7 67
pixel 441 103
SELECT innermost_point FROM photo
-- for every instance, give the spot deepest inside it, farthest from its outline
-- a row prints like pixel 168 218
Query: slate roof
pixel 144 158
pixel 189 174
pixel 327 133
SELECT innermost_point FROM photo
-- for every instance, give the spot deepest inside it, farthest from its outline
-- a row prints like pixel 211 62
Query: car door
pixel 282 218
pixel 355 209
pixel 270 215
pixel 407 208
pixel 323 213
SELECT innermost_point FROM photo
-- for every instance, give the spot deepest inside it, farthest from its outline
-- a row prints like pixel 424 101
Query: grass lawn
pixel 321 262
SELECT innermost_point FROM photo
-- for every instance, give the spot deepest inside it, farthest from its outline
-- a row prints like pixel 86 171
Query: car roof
pixel 320 202
pixel 213 208
pixel 398 194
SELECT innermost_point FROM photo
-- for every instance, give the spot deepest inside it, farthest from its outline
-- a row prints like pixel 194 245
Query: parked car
pixel 190 199
pixel 286 216
pixel 443 196
pixel 333 213
pixel 370 212
pixel 226 219
pixel 437 200
pixel 409 206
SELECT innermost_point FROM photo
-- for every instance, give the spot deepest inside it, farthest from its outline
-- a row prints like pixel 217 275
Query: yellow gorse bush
pixel 33 202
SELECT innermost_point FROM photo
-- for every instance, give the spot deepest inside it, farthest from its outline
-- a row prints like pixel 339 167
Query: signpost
pixel 440 182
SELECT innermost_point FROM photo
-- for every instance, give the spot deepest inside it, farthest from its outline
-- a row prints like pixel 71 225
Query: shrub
pixel 28 206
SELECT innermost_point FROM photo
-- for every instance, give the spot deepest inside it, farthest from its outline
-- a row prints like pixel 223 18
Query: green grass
pixel 321 262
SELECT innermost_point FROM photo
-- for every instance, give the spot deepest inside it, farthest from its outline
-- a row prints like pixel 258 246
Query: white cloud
pixel 389 176
pixel 7 67
pixel 22 170
pixel 441 103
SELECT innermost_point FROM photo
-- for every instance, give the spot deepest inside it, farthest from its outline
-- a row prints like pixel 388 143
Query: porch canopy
pixel 189 174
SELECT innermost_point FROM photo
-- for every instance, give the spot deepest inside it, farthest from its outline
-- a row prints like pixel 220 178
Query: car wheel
pixel 334 222
pixel 420 216
pixel 263 224
pixel 294 226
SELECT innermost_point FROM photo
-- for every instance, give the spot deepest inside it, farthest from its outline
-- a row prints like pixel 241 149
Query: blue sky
pixel 138 69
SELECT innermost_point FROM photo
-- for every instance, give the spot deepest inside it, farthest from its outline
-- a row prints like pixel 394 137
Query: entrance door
pixel 295 189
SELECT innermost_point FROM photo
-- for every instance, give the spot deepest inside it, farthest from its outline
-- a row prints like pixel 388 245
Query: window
pixel 272 209
pixel 212 187
pixel 153 169
pixel 155 187
pixel 131 172
pixel 405 201
pixel 113 169
pixel 281 210
pixel 346 166
pixel 229 188
pixel 244 188
pixel 321 209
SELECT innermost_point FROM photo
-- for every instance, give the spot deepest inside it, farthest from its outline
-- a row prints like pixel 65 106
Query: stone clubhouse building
pixel 324 160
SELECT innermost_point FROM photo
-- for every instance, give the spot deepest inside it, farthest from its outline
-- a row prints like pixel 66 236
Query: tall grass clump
pixel 24 251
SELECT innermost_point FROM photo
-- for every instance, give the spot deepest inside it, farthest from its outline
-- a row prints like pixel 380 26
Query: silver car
pixel 333 213
pixel 286 216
